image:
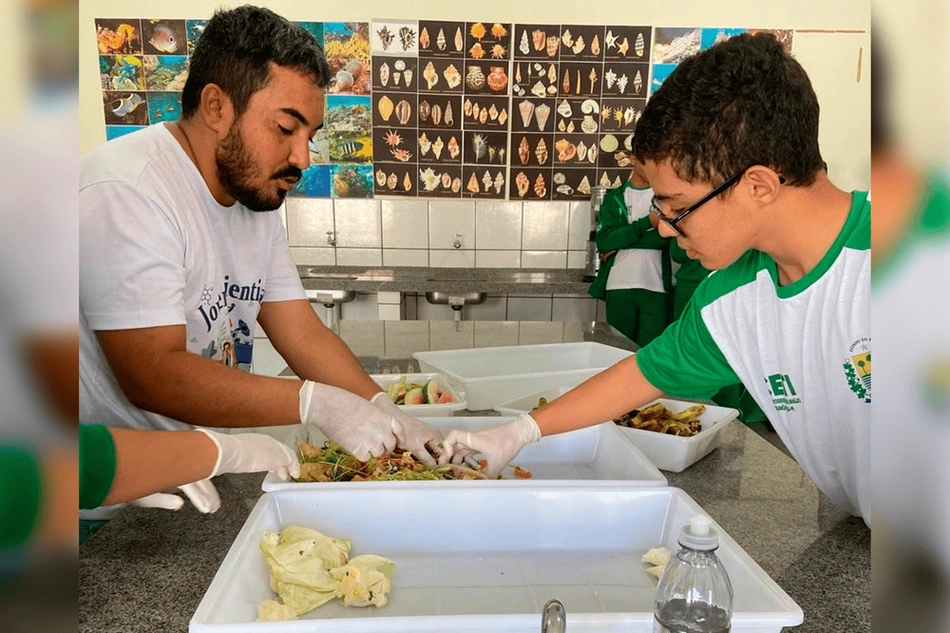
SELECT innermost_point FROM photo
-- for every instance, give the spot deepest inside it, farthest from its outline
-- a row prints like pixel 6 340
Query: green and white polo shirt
pixel 802 350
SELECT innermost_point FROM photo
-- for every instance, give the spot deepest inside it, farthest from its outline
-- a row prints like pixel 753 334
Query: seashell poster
pixel 439 108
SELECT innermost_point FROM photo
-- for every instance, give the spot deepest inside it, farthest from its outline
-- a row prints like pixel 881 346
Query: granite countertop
pixel 147 570
pixel 419 279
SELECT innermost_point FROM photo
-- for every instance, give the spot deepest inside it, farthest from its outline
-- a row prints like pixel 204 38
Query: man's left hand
pixel 418 438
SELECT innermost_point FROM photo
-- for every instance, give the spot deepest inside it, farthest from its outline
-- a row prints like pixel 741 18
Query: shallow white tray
pixel 484 558
pixel 425 410
pixel 528 402
pixel 599 452
pixel 492 375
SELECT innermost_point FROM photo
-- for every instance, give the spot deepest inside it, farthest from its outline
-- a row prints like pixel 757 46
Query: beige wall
pixel 829 57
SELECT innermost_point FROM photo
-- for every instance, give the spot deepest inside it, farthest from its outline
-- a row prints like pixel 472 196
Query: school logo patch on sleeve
pixel 857 368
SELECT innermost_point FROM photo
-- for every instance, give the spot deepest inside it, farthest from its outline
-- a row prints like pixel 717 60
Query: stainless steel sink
pixel 513 277
pixel 331 297
pixel 456 299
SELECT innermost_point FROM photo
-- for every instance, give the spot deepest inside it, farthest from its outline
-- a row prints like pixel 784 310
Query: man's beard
pixel 237 169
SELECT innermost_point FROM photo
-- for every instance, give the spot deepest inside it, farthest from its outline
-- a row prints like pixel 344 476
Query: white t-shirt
pixel 803 351
pixel 156 249
pixel 637 267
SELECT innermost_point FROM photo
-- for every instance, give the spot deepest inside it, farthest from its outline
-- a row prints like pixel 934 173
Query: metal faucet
pixel 331 238
pixel 553 617
pixel 458 240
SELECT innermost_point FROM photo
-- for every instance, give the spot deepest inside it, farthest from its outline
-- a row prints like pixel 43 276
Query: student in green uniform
pixel 635 275
pixel 730 144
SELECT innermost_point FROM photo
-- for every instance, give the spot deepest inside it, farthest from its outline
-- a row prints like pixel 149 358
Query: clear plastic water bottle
pixel 694 594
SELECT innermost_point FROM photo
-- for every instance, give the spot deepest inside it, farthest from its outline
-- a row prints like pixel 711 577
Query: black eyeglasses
pixel 672 222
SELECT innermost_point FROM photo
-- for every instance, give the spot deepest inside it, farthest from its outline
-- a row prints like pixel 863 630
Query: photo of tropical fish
pixel 164 37
pixel 783 36
pixel 350 76
pixel 125 108
pixel 672 46
pixel 314 183
pixel 315 29
pixel 164 106
pixel 660 73
pixel 320 148
pixel 714 36
pixel 121 72
pixel 116 131
pixel 165 72
pixel 195 28
pixel 348 114
pixel 118 37
pixel 350 147
pixel 351 181
pixel 346 40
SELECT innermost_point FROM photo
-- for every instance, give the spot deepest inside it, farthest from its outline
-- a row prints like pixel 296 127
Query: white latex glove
pixel 498 445
pixel 350 421
pixel 412 435
pixel 252 453
pixel 202 494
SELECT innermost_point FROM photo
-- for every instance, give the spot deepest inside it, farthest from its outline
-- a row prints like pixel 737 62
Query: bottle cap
pixel 699 534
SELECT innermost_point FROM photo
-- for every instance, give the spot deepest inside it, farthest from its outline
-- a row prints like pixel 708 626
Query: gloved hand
pixel 412 435
pixel 252 453
pixel 498 445
pixel 202 494
pixel 350 421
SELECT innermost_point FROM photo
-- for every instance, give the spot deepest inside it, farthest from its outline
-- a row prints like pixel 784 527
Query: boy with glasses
pixel 730 145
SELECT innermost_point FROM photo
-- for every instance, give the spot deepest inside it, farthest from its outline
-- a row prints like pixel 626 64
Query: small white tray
pixel 483 558
pixel 492 375
pixel 599 452
pixel 424 410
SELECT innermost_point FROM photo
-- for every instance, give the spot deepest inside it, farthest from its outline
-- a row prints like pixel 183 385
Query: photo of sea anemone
pixel 351 181
pixel 714 36
pixel 121 72
pixel 195 28
pixel 165 73
pixel 346 40
pixel 314 183
pixel 350 76
pixel 118 36
pixel 314 28
pixel 164 106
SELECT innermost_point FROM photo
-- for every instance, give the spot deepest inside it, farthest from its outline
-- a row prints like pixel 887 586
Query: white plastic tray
pixel 483 558
pixel 599 452
pixel 674 453
pixel 492 375
pixel 424 410
pixel 524 404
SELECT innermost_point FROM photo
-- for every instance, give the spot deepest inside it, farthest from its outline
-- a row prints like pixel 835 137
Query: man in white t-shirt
pixel 730 143
pixel 182 254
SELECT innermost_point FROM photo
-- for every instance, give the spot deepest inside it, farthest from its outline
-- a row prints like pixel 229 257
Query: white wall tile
pixel 405 223
pixel 405 337
pixel 390 312
pixel 579 226
pixel 494 309
pixel 305 256
pixel 541 259
pixel 308 220
pixel 529 308
pixel 449 217
pixel 601 311
pixel 497 259
pixel 443 335
pixel 363 308
pixel 357 223
pixel 404 257
pixel 426 311
pixel 359 257
pixel 391 297
pixel 576 259
pixel 498 225
pixel 495 333
pixel 365 337
pixel 545 225
pixel 572 309
pixel 452 259
pixel 540 333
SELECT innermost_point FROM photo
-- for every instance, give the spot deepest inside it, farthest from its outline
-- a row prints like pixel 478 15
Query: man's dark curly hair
pixel 740 103
pixel 236 50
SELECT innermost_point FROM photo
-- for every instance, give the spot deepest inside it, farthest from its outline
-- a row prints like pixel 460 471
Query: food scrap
pixel 658 418
pixel 332 463
pixel 308 569
pixel 432 392
pixel 657 559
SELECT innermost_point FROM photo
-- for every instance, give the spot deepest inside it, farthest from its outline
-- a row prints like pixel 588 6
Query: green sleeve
pixel 96 464
pixel 615 233
pixel 685 361
pixel 20 496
